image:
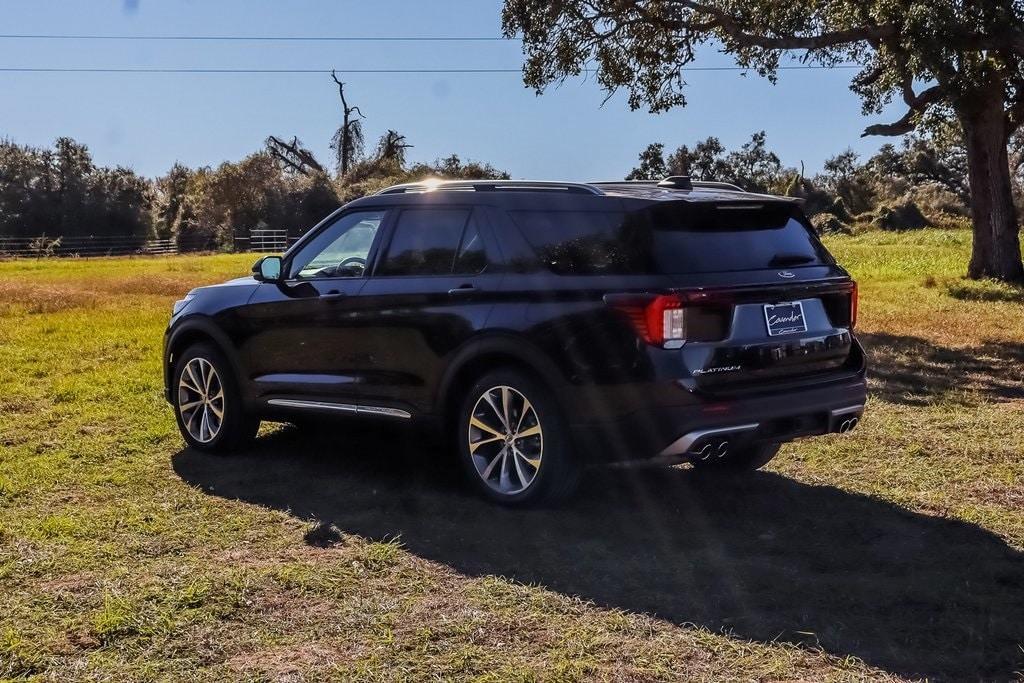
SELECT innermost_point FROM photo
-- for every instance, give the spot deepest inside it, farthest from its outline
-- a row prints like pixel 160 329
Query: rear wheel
pixel 512 441
pixel 744 459
pixel 207 403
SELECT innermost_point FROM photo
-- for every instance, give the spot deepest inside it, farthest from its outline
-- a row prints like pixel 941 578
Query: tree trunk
pixel 996 249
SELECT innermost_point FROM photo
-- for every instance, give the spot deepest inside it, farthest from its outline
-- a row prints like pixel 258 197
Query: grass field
pixel 892 553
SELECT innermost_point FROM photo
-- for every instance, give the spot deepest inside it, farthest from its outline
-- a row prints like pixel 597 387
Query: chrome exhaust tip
pixel 849 415
pixel 848 425
pixel 710 450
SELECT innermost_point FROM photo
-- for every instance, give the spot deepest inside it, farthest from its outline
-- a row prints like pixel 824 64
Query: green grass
pixel 893 553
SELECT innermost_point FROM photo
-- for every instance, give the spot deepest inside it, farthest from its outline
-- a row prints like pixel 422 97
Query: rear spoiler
pixel 754 211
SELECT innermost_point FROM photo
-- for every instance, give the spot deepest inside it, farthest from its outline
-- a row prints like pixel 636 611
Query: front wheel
pixel 512 441
pixel 207 403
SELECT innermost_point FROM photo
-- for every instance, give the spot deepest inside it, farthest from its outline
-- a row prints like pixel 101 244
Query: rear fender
pixel 515 349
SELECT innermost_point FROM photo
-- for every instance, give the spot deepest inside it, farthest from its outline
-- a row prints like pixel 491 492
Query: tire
pixel 236 427
pixel 538 468
pixel 742 460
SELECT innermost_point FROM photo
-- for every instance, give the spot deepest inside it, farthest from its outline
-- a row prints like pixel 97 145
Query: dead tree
pixel 392 147
pixel 347 142
pixel 293 156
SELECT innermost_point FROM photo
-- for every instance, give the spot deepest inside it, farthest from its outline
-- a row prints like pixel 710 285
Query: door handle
pixel 333 295
pixel 462 290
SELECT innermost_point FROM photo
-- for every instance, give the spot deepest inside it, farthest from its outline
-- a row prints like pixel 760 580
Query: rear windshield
pixel 671 240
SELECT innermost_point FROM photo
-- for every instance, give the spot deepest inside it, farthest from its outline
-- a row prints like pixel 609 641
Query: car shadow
pixel 914 371
pixel 761 556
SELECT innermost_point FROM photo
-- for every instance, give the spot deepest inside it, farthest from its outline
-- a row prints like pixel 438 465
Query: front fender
pixel 190 330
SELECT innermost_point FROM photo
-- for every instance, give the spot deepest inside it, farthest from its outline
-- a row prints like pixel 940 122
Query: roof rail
pixel 717 185
pixel 695 184
pixel 600 183
pixel 491 186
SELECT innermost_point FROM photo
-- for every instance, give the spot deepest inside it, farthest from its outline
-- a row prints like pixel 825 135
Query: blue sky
pixel 148 122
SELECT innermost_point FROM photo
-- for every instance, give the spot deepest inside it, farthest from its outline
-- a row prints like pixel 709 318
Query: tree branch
pixel 869 78
pixel 917 104
pixel 733 28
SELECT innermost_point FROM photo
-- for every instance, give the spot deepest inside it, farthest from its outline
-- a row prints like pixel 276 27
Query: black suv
pixel 539 326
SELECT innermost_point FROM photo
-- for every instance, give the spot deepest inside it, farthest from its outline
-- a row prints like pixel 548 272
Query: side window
pixel 341 250
pixel 434 242
pixel 586 242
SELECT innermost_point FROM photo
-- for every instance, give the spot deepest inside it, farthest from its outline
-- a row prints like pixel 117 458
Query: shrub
pixel 829 224
pixel 935 201
pixel 897 216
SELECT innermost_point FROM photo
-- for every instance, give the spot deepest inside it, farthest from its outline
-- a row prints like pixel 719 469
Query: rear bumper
pixel 672 432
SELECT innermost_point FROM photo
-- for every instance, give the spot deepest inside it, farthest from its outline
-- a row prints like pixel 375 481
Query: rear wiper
pixel 780 260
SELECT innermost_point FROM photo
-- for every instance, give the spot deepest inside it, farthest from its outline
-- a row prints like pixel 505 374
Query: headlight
pixel 180 304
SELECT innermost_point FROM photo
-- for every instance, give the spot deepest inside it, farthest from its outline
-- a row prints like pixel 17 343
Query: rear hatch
pixel 761 299
pixel 748 295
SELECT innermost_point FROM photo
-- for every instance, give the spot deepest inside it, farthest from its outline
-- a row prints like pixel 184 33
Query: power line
pixel 169 70
pixel 319 39
pixel 190 70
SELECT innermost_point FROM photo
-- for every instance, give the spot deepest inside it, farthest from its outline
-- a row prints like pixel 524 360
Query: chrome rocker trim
pixel 340 407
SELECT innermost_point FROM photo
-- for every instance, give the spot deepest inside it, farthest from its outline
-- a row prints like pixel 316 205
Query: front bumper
pixel 165 357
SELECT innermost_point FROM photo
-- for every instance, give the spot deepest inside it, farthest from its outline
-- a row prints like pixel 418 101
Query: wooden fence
pixel 258 240
pixel 92 245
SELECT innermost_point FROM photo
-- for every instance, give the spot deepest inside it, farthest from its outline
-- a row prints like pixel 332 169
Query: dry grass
pixel 894 553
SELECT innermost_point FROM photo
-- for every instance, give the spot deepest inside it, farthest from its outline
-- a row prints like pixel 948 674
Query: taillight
pixel 854 296
pixel 659 320
pixel 665 320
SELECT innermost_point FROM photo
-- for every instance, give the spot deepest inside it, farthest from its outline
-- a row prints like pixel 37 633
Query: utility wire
pixel 189 70
pixel 323 39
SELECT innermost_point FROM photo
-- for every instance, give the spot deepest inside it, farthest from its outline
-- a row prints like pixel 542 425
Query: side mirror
pixel 267 269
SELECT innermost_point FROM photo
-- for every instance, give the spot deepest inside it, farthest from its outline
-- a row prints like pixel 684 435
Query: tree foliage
pixel 372 175
pixel 955 62
pixel 60 191
pixel 919 183
pixel 391 147
pixel 754 167
pixel 643 45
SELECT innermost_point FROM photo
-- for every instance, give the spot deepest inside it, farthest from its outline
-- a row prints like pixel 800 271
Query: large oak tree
pixel 960 58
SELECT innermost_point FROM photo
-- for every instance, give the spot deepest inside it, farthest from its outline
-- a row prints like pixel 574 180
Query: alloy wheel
pixel 201 400
pixel 506 441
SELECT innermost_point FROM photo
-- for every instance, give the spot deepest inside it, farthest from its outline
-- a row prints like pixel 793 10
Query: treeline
pixel 921 182
pixel 61 192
